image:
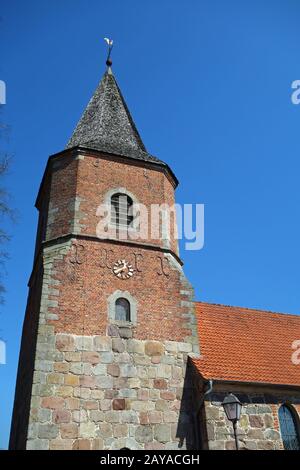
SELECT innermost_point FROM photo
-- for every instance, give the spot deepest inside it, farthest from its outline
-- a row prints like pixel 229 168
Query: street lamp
pixel 232 407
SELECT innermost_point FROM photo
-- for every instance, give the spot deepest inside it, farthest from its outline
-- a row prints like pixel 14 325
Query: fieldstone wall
pixel 109 392
pixel 258 428
pixel 26 364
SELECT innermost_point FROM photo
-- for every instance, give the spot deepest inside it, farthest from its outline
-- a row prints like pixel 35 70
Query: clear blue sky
pixel 208 83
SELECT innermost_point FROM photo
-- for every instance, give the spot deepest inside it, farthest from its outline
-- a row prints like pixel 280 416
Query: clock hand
pixel 117 271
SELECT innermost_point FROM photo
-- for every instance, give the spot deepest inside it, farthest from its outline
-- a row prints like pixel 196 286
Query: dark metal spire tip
pixel 109 43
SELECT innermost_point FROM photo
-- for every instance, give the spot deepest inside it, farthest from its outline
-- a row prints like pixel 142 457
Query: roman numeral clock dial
pixel 122 269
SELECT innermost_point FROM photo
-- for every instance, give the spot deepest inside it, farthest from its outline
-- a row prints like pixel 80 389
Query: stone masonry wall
pixel 22 400
pixel 108 392
pixel 258 428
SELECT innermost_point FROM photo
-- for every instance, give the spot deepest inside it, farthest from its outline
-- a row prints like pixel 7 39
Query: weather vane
pixel 110 46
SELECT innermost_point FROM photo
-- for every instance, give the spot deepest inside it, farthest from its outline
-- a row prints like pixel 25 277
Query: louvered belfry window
pixel 121 210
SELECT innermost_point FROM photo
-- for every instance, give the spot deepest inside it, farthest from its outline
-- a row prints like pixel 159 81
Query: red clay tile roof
pixel 245 345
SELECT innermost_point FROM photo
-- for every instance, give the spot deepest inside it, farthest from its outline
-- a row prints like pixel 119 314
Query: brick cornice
pixel 80 150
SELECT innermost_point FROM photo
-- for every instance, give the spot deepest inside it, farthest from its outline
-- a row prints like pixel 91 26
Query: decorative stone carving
pixel 77 253
pixel 105 258
pixel 138 259
pixel 164 266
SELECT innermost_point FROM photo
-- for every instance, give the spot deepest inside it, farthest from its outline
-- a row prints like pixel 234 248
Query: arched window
pixel 122 312
pixel 122 307
pixel 289 428
pixel 121 210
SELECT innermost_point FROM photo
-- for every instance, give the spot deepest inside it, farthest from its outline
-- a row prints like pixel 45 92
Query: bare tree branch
pixel 6 212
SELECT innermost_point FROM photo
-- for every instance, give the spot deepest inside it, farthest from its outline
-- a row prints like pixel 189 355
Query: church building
pixel 115 352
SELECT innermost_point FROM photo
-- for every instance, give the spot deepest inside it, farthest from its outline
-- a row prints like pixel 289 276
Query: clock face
pixel 122 269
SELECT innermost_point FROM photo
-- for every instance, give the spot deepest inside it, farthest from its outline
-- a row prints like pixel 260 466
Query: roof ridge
pixel 249 308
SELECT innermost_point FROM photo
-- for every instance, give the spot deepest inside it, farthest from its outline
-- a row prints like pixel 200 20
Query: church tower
pixel 110 318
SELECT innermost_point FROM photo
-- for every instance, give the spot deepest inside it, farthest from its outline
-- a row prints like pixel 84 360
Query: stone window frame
pixel 122 190
pixel 111 304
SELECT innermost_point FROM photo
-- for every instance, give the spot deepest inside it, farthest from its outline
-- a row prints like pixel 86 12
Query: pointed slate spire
pixel 106 124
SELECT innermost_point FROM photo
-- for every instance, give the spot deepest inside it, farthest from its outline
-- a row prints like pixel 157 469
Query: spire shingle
pixel 106 124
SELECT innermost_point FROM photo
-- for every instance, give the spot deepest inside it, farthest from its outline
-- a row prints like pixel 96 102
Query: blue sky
pixel 209 85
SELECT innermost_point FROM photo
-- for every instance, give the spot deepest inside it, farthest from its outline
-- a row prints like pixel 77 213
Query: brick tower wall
pixel 98 383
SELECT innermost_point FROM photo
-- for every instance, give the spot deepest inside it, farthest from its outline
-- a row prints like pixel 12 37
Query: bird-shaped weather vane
pixel 110 46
